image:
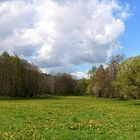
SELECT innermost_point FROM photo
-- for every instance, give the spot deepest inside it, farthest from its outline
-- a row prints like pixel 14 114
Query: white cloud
pixel 14 15
pixel 79 75
pixel 58 34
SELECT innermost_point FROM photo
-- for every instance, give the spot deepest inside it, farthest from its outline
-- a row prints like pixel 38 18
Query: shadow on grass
pixel 33 98
pixel 137 104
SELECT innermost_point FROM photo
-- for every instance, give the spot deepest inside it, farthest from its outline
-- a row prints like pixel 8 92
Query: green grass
pixel 69 118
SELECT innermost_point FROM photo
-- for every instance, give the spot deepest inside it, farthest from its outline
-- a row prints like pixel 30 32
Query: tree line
pixel 19 78
pixel 119 78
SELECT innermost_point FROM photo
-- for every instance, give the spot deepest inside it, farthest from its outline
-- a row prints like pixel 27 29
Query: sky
pixel 69 35
pixel 131 38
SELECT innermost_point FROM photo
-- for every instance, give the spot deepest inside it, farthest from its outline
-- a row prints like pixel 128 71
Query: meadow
pixel 69 118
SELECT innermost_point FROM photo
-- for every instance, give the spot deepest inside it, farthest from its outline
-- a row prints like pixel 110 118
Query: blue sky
pixel 69 35
pixel 130 39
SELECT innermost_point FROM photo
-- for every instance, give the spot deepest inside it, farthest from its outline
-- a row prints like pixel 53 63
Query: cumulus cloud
pixel 58 34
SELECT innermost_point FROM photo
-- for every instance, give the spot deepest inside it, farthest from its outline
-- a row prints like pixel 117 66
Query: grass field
pixel 69 118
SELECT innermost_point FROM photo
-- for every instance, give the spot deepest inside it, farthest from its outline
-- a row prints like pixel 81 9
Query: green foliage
pixel 128 78
pixel 69 118
pixel 82 85
pixel 119 79
pixel 92 80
